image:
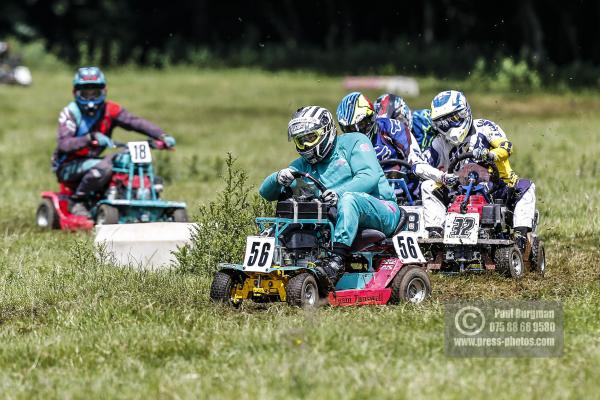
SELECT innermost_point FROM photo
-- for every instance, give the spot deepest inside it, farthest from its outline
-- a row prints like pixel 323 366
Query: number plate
pixel 259 253
pixel 414 220
pixel 461 228
pixel 407 248
pixel 140 152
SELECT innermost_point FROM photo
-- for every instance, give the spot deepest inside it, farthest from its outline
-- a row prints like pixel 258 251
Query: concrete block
pixel 144 245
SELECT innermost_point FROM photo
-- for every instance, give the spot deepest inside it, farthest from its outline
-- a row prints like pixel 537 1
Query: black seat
pixel 366 237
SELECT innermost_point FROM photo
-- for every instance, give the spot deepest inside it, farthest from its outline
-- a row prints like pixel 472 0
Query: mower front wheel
pixel 46 216
pixel 302 291
pixel 221 288
pixel 509 261
pixel 107 215
pixel 180 215
pixel 411 284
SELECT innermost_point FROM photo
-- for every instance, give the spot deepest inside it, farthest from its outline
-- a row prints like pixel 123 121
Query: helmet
pixel 89 89
pixel 394 107
pixel 313 131
pixel 4 48
pixel 451 116
pixel 355 113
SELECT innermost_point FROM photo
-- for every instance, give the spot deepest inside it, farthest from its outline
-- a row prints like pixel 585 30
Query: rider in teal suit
pixel 347 165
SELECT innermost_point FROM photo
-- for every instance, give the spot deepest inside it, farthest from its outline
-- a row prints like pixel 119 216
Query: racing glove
pixel 484 154
pixel 102 140
pixel 285 177
pixel 169 141
pixel 449 180
pixel 330 197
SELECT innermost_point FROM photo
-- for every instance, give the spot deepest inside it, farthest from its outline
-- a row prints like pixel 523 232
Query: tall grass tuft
pixel 223 224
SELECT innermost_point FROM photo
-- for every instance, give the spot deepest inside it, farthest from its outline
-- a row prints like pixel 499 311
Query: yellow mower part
pixel 257 284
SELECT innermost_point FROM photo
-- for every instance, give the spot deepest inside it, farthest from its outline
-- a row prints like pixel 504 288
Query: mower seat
pixel 366 237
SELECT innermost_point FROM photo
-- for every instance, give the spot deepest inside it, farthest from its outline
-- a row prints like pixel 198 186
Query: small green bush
pixel 35 54
pixel 223 224
pixel 507 75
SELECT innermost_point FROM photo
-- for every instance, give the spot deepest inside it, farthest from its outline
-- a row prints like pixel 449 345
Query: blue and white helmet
pixel 393 106
pixel 355 113
pixel 451 116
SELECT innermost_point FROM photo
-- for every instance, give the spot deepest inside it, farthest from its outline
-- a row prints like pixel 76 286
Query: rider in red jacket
pixel 84 130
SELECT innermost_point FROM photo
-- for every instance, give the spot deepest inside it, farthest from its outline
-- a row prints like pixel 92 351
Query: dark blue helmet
pixel 89 89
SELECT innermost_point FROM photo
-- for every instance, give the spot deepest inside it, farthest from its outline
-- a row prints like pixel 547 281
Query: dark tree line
pixel 543 32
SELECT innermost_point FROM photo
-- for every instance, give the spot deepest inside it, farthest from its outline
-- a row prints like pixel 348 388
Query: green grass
pixel 71 327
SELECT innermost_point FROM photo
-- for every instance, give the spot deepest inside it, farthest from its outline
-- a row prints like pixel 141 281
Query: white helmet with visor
pixel 451 116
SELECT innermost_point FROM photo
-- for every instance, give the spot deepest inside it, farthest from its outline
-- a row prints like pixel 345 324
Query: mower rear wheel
pixel 107 215
pixel 411 284
pixel 302 291
pixel 180 215
pixel 509 261
pixel 46 216
pixel 538 258
pixel 221 288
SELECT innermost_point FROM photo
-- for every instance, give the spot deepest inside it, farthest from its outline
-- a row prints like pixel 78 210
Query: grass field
pixel 71 327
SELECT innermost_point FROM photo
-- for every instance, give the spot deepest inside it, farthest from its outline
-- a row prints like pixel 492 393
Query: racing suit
pixel 366 200
pixel 392 106
pixel 484 134
pixel 391 139
pixel 76 158
pixel 422 128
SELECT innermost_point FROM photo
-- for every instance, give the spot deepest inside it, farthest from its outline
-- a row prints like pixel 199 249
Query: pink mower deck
pixel 375 291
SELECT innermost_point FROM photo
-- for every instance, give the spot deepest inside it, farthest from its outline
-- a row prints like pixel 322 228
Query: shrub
pixel 223 224
pixel 507 75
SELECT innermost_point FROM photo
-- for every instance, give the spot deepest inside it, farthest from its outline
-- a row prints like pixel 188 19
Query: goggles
pixel 89 93
pixel 453 120
pixel 362 126
pixel 309 139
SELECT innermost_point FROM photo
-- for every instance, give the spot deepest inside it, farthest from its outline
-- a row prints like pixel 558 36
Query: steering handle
pixel 306 175
pixel 120 145
pixel 159 145
pixel 468 155
pixel 395 161
pixel 154 144
pixel 458 159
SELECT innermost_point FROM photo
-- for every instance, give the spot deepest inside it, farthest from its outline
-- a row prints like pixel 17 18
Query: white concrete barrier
pixel 401 85
pixel 145 245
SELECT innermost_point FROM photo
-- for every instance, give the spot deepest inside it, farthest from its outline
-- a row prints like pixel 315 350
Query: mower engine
pixel 303 244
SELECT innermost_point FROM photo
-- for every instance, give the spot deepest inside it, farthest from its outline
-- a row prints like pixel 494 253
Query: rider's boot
pixel 77 206
pixel 332 270
pixel 435 232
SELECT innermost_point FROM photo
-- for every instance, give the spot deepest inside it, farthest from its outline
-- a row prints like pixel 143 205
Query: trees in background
pixel 333 35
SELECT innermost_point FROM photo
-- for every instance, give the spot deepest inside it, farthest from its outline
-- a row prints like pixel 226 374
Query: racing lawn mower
pixel 132 195
pixel 279 264
pixel 478 231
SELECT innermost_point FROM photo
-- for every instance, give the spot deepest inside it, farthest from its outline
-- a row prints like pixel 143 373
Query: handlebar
pixel 465 156
pixel 458 159
pixel 153 143
pixel 306 175
pixel 395 161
